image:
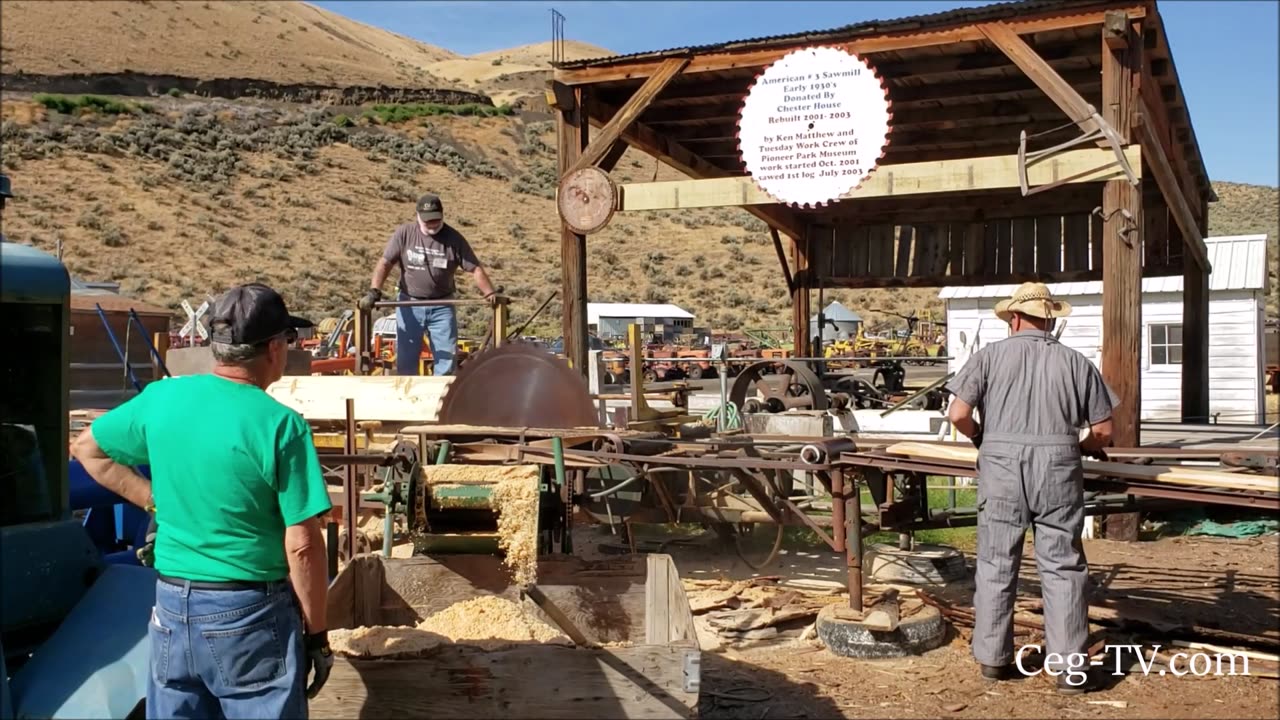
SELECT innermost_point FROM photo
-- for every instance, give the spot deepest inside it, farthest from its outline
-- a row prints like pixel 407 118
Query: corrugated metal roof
pixel 980 13
pixel 1239 262
pixel 595 311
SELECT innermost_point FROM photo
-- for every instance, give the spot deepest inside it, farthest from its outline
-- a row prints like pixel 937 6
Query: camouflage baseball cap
pixel 430 207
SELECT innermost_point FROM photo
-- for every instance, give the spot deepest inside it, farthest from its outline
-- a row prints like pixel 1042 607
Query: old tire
pixel 922 565
pixel 923 631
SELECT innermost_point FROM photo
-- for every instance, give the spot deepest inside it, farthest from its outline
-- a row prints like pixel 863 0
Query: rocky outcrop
pixel 146 85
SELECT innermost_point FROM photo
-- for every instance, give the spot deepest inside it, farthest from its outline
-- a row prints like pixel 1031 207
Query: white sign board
pixel 813 126
pixel 193 321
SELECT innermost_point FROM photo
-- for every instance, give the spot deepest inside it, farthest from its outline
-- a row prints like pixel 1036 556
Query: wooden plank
pixel 377 397
pixel 990 238
pixel 919 178
pixel 926 239
pixel 820 239
pixel 936 281
pixel 1049 243
pixel 906 244
pixel 1075 241
pixel 1122 270
pixel 855 246
pixel 955 233
pixel 1004 248
pixel 1023 240
pixel 657 601
pixel 1173 195
pixel 627 114
pixel 972 253
pixel 1056 19
pixel 880 239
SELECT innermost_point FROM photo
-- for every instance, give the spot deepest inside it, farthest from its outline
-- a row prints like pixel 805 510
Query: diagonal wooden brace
pixel 627 114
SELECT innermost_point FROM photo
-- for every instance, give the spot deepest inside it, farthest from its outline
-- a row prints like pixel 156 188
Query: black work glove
pixel 371 297
pixel 977 439
pixel 147 553
pixel 319 661
pixel 1098 454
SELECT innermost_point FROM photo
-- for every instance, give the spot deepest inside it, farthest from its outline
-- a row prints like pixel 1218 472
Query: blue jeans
pixel 440 323
pixel 226 653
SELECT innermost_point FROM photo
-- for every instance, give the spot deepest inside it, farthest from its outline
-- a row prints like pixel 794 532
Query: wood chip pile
pixel 751 610
pixel 486 622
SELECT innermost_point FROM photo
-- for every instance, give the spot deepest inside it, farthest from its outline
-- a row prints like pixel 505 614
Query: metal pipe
pixel 557 454
pixel 430 303
pixel 853 551
pixel 351 511
pixel 616 488
pixel 443 454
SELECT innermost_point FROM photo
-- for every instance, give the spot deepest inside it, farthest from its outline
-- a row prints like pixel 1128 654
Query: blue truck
pixel 75 601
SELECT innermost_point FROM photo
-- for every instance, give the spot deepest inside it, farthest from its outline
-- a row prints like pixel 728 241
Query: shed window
pixel 1166 344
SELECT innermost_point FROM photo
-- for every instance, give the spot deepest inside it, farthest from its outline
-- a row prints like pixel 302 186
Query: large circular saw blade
pixel 518 385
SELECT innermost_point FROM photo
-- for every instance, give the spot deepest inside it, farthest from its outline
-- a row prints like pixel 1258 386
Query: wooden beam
pixel 782 259
pixel 646 139
pixel 1171 189
pixel 572 128
pixel 627 114
pixel 611 158
pixel 1195 345
pixel 988 173
pixel 1005 37
pixel 747 58
pixel 1122 266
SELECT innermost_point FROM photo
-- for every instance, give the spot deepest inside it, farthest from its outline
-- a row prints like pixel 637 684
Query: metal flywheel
pixel 518 385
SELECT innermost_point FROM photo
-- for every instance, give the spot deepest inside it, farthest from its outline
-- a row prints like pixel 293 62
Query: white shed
pixel 611 319
pixel 1238 288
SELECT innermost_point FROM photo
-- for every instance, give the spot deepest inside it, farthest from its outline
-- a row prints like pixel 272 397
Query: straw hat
pixel 1034 299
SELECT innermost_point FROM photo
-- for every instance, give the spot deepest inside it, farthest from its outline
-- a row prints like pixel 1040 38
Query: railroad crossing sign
pixel 193 322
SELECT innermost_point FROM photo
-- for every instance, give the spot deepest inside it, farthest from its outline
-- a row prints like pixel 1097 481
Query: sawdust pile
pixel 490 617
pixel 486 622
pixel 515 497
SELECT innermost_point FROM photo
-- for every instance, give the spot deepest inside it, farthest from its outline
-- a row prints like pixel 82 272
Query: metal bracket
pixel 692 671
pixel 1130 224
pixel 1102 130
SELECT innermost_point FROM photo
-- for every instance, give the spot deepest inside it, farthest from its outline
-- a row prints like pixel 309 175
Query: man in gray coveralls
pixel 1034 397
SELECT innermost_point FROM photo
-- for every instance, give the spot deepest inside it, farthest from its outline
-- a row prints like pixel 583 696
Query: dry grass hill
pixel 287 42
pixel 176 196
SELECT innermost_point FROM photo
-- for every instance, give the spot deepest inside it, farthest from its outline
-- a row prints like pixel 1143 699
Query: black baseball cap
pixel 430 207
pixel 251 314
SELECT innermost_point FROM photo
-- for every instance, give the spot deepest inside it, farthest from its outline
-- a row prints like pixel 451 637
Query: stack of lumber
pixel 1127 621
pixel 1155 474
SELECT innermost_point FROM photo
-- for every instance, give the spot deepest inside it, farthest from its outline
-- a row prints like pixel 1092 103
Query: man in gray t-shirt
pixel 428 252
pixel 1034 397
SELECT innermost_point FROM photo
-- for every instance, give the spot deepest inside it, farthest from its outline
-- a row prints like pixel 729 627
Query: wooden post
pixel 571 138
pixel 1195 342
pixel 802 280
pixel 1122 258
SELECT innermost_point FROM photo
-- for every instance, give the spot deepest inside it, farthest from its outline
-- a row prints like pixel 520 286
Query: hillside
pixel 197 195
pixel 1246 210
pixel 285 42
pixel 177 196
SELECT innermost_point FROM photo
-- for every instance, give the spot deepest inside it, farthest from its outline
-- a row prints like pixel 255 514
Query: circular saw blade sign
pixel 814 126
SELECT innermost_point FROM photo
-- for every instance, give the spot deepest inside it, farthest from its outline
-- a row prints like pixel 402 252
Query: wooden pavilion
pixel 950 203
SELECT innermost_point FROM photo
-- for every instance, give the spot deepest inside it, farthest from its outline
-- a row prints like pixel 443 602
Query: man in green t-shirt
pixel 238 497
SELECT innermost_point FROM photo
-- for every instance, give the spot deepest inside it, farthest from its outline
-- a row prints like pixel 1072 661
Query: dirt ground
pixel 1229 584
